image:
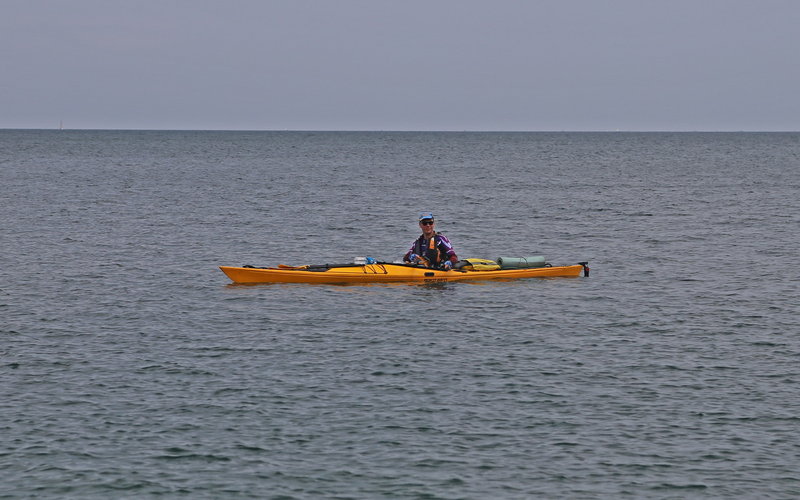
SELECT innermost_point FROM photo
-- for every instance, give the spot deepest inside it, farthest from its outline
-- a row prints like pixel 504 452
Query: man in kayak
pixel 431 249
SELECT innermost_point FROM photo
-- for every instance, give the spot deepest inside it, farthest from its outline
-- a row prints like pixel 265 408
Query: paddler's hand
pixel 413 258
pixel 448 265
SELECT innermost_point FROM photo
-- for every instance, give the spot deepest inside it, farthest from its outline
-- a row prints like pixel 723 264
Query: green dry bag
pixel 521 262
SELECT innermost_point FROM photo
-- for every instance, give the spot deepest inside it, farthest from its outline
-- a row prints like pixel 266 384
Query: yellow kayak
pixel 386 273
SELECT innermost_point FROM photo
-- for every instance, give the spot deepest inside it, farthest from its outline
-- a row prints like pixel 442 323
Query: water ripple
pixel 130 368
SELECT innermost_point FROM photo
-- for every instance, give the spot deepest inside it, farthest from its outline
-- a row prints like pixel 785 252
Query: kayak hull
pixel 384 273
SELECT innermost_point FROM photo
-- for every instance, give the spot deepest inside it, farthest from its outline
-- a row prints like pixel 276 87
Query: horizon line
pixel 655 131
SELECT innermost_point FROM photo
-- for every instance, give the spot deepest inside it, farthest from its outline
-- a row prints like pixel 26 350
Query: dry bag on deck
pixel 521 262
pixel 477 265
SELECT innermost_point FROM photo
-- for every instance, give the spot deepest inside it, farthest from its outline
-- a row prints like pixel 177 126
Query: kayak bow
pixel 383 272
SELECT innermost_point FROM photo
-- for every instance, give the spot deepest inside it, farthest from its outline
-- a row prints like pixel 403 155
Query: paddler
pixel 431 249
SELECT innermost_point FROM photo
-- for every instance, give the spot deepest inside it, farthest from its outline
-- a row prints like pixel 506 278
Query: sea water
pixel 132 368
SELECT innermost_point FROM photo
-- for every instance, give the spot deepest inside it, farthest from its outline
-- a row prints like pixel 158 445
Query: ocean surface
pixel 132 368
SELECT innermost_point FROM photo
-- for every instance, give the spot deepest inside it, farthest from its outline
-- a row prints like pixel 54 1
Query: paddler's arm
pixel 446 248
pixel 410 256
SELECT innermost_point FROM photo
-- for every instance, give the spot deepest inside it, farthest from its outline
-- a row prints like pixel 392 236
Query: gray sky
pixel 401 64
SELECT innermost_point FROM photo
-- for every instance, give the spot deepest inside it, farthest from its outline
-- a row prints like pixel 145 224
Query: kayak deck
pixel 385 273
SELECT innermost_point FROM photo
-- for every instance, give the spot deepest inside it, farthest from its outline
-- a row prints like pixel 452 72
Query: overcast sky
pixel 401 64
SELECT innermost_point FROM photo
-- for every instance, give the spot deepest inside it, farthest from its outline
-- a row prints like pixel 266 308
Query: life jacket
pixel 431 253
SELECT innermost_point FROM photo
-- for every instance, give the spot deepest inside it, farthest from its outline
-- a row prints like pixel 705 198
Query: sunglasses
pixel 427 222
